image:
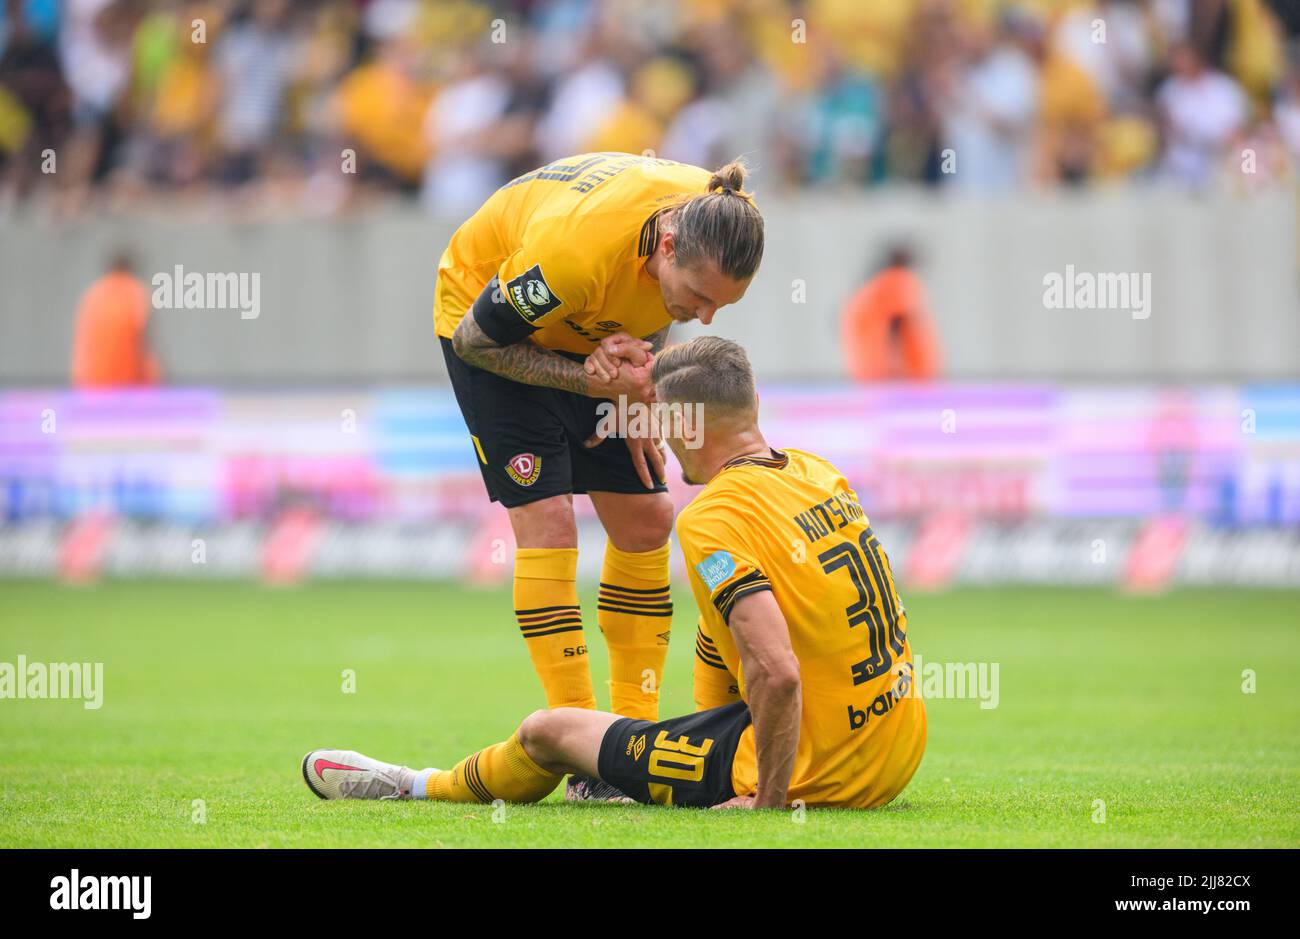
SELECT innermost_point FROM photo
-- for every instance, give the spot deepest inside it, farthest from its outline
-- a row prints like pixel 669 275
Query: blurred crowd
pixel 316 104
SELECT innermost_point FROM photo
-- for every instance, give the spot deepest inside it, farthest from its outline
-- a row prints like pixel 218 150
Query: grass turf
pixel 214 691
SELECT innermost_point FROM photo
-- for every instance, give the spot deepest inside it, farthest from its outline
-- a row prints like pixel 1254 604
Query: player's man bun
pixel 723 225
pixel 732 176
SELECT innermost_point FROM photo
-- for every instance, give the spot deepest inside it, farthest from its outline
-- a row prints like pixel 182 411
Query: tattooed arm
pixel 524 361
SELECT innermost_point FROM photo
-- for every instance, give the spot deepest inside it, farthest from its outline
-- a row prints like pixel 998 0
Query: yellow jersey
pixel 569 243
pixel 792 525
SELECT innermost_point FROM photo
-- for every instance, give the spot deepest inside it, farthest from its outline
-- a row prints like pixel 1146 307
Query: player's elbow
pixel 779 678
pixel 460 341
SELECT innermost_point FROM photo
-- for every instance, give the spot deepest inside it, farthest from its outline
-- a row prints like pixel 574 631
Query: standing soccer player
pixel 554 296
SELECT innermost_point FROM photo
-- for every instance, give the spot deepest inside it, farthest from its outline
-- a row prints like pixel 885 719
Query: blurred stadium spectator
pixel 446 99
pixel 888 334
pixel 110 345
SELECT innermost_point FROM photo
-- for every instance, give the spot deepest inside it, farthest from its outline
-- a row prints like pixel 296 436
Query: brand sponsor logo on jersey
pixel 524 468
pixel 608 325
pixel 537 292
pixel 635 747
pixel 716 568
pixel 584 333
pixel 531 295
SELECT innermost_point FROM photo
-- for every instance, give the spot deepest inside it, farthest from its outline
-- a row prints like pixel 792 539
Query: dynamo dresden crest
pixel 524 468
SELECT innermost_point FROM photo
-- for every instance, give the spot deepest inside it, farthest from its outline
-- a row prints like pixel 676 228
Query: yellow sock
pixel 714 685
pixel 501 771
pixel 546 605
pixel 635 613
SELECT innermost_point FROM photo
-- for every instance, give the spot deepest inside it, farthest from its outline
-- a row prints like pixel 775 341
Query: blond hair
pixel 707 370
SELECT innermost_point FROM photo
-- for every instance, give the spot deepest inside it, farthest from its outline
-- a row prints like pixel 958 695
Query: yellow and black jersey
pixel 559 254
pixel 791 524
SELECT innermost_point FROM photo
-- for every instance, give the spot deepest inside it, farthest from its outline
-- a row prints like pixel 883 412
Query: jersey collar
pixel 777 460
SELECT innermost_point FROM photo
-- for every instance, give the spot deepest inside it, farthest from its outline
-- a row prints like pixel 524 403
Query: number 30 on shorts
pixel 679 759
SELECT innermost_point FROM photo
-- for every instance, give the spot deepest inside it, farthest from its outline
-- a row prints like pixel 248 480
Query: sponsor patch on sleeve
pixel 530 294
pixel 716 568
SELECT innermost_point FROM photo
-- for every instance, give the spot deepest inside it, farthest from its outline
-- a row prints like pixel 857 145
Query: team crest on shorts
pixel 524 468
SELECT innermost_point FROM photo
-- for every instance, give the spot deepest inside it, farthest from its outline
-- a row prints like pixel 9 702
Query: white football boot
pixel 346 774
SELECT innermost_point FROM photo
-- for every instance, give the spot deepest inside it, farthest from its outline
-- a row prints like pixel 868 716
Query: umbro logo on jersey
pixel 531 295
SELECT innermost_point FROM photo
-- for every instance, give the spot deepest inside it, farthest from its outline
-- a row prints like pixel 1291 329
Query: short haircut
pixel 708 370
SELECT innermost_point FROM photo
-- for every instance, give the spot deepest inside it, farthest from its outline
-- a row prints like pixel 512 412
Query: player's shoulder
pixel 734 496
pixel 772 472
pixel 772 486
pixel 611 207
pixel 626 186
pixel 811 464
pixel 721 502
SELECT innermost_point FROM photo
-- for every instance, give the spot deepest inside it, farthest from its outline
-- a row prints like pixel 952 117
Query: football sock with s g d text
pixel 546 606
pixel 635 612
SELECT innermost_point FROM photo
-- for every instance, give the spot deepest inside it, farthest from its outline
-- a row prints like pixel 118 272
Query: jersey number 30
pixel 876 605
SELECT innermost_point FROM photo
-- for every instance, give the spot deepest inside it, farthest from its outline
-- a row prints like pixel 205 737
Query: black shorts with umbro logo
pixel 529 441
pixel 683 761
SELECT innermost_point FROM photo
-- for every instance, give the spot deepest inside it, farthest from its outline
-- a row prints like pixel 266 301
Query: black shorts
pixel 681 761
pixel 529 440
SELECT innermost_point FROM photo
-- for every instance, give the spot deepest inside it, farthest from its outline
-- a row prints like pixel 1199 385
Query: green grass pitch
pixel 213 692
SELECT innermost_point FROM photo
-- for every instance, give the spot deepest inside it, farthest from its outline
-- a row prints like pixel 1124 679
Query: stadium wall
pixel 348 299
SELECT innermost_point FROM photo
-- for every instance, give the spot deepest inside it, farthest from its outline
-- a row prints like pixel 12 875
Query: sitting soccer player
pixel 798 612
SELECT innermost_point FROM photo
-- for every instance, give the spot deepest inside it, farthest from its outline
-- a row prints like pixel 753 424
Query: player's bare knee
pixel 650 528
pixel 543 737
pixel 535 734
pixel 545 524
pixel 659 522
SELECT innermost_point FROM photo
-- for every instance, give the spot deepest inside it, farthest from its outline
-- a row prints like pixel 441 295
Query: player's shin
pixel 635 612
pixel 546 606
pixel 501 771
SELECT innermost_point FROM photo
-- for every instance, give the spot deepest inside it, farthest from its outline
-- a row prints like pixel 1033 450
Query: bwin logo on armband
pixel 530 294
